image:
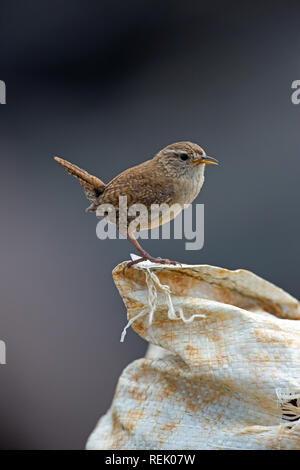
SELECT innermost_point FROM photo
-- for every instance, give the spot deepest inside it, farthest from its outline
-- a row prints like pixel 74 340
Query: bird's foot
pixel 149 258
pixel 162 261
pixel 132 263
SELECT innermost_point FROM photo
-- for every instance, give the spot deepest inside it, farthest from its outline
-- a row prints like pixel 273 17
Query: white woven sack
pixel 228 376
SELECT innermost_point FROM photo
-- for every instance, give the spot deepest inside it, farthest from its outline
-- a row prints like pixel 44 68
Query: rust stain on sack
pixel 169 389
pixel 136 395
pixel 193 353
pixel 139 328
pixel 132 418
pixel 191 406
pixel 273 337
pixel 169 426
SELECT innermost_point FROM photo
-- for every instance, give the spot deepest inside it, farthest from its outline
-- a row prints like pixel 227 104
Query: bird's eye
pixel 184 156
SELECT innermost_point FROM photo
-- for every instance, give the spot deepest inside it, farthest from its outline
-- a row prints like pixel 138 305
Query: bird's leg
pixel 144 255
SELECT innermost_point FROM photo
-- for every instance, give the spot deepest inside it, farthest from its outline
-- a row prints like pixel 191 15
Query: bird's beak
pixel 207 160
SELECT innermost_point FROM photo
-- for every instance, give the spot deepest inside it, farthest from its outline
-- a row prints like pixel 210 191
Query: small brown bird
pixel 174 176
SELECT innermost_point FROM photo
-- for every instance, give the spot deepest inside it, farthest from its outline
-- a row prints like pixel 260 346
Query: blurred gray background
pixel 106 84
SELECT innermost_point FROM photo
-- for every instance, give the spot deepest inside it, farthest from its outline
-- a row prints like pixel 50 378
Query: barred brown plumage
pixel 174 176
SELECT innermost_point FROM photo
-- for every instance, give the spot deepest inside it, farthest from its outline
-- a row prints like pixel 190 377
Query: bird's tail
pixel 92 185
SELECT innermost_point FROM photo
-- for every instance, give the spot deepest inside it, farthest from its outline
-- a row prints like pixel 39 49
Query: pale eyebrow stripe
pixel 175 151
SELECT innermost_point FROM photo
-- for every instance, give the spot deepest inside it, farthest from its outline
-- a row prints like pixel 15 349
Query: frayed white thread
pixel 130 323
pixel 192 317
pixel 153 283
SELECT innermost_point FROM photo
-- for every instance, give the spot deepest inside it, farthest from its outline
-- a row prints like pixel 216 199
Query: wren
pixel 174 176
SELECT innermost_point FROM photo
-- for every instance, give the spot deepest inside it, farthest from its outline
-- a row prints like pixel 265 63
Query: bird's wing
pixel 141 185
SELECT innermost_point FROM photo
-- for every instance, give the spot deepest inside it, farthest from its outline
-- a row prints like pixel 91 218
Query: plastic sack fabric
pixel 227 374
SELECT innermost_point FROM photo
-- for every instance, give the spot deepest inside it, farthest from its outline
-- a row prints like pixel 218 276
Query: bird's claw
pixel 165 261
pixel 153 260
pixel 131 263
